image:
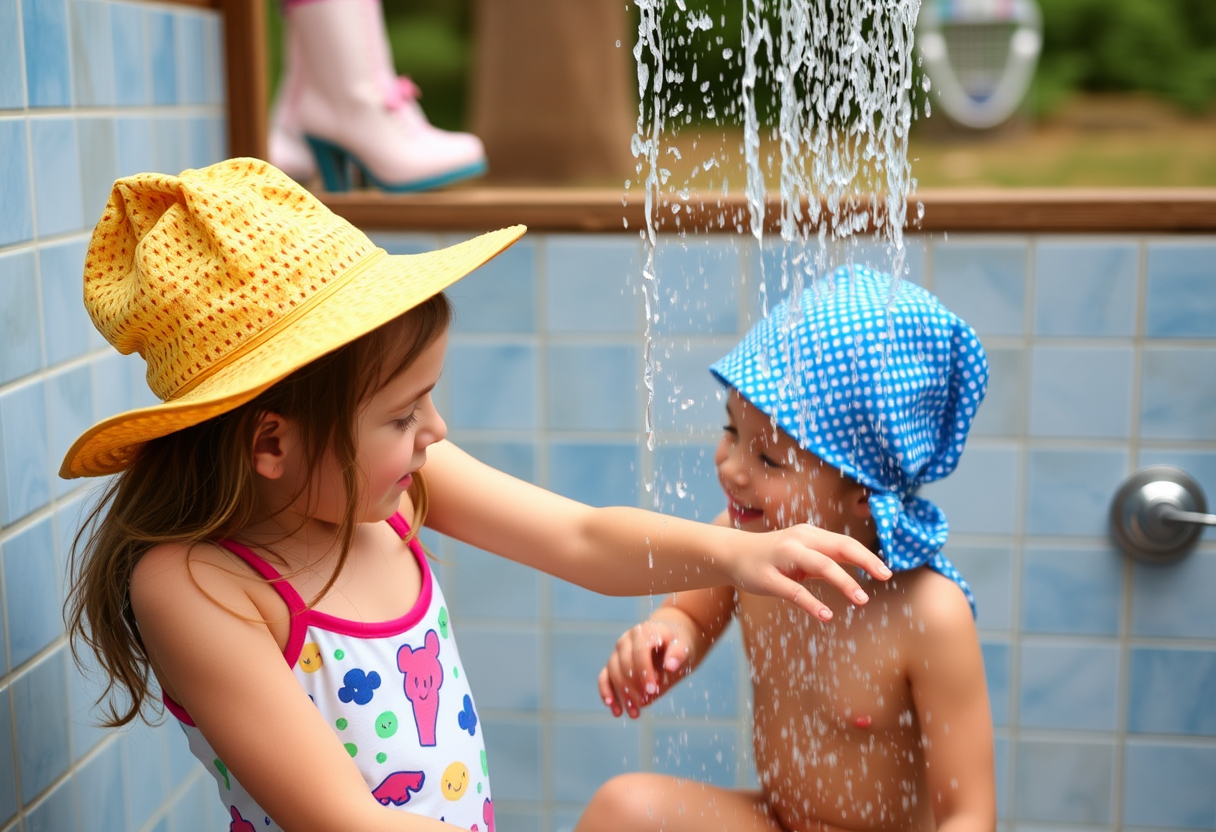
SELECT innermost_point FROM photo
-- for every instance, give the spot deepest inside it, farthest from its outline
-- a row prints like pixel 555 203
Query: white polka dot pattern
pixel 877 378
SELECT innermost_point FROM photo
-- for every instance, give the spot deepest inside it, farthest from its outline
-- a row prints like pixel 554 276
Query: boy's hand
pixel 777 563
pixel 648 660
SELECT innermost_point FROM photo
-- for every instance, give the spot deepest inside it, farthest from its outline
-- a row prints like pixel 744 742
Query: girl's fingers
pixel 844 549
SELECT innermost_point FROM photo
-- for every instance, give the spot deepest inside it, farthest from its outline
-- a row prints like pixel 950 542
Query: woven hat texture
pixel 228 278
pixel 880 380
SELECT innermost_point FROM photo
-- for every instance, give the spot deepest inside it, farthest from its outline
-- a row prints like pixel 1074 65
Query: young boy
pixel 877 719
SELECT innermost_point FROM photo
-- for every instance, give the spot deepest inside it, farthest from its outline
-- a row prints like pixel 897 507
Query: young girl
pixel 878 720
pixel 255 557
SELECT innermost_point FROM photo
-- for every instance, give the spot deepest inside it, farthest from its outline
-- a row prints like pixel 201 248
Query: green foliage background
pixel 1163 47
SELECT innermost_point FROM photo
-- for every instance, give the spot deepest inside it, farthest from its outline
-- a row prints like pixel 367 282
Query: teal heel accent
pixel 337 166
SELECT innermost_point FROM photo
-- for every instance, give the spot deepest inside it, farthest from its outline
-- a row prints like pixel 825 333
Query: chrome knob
pixel 1158 514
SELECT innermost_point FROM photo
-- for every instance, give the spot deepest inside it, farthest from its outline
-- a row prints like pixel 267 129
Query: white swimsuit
pixel 394 692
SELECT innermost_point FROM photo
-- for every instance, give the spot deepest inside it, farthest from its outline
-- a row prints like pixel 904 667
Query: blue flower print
pixel 359 686
pixel 466 718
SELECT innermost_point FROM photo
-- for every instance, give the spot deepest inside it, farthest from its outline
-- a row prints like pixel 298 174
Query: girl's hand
pixel 647 661
pixel 778 563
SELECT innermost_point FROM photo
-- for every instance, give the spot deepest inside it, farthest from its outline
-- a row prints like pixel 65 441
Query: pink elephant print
pixel 487 814
pixel 397 786
pixel 423 679
pixel 239 824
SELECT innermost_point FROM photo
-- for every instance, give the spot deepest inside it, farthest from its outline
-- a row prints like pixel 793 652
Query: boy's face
pixel 772 483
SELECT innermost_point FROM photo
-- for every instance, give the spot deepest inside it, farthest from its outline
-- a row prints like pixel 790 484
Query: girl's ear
pixel 271 442
pixel 857 502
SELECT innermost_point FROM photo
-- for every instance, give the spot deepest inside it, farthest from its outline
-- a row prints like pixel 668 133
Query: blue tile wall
pixel 131 69
pixel 57 181
pixel 1065 782
pixel 16 210
pixel 92 54
pixel 593 284
pixel 1169 786
pixel 997 672
pixel 1178 394
pixel 698 286
pixel 22 352
pixel 40 709
pixel 1069 492
pixel 162 37
pixel 489 586
pixel 1171 691
pixel 594 387
pixel 980 496
pixel 501 295
pixel 577 659
pixel 984 282
pixel 1081 392
pixel 54 812
pixel 686 395
pixel 31 601
pixel 1075 591
pixel 503 667
pixel 586 755
pixel 599 474
pixel 514 756
pixel 8 773
pixel 1069 687
pixel 989 571
pixel 697 753
pixel 12 75
pixel 1003 411
pixel 47 61
pixel 64 319
pixel 1086 288
pixel 1180 301
pixel 1175 601
pixel 24 452
pixel 686 482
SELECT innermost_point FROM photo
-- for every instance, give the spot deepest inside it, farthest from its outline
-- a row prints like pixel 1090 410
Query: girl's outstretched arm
pixel 630 551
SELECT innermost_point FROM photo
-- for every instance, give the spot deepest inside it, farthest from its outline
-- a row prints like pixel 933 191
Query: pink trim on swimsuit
pixel 302 617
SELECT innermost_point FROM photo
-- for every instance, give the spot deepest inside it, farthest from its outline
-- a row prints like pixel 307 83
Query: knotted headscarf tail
pixel 877 378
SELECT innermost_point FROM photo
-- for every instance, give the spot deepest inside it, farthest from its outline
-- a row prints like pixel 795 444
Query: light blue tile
pixel 24 453
pixel 515 458
pixel 488 586
pixel 199 149
pixel 1001 749
pixel 503 667
pixel 996 671
pixel 1076 591
pixel 1181 295
pixel 111 386
pixel 569 602
pixel 703 754
pixel 65 320
pixel 99 792
pixel 55 812
pixel 131 51
pixel 492 386
pixel 92 54
pixel 989 571
pixel 593 283
pixel 697 284
pixel 980 497
pixel 1071 687
pixel 84 687
pixel 575 662
pixel 1199 464
pixel 31 591
pixel 48 78
pixel 525 821
pixel 40 705
pixel 168 146
pixel 213 58
pixel 513 753
pixel 98 139
pixel 397 242
pixel 135 154
pixel 1086 289
pixel 686 482
pixel 712 690
pixel 1081 392
pixel 162 47
pixel 594 387
pixel 1178 394
pixel 8 774
pixel 879 255
pixel 69 516
pixel 1172 691
pixel 192 58
pixel 145 766
pixel 1169 786
pixel 984 283
pixel 189 812
pixel 57 192
pixel 500 296
pixel 21 347
pixel 1069 492
pixel 599 474
pixel 686 395
pixel 1065 782
pixel 12 81
pixel 16 210
pixel 1003 412
pixel 585 756
pixel 1175 601
pixel 70 406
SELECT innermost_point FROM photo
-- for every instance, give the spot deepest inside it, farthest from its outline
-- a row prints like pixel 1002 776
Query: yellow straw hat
pixel 228 278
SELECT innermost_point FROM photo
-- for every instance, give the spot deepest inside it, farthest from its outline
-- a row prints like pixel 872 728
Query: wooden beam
pixel 245 70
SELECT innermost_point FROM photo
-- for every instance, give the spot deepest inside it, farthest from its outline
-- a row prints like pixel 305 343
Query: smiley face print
pixel 455 781
pixel 310 657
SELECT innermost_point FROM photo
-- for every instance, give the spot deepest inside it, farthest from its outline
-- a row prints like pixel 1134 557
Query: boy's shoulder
pixel 928 599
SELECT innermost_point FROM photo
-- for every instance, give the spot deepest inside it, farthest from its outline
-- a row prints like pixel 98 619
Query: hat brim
pixel 375 295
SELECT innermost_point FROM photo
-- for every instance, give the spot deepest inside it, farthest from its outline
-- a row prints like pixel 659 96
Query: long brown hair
pixel 197 484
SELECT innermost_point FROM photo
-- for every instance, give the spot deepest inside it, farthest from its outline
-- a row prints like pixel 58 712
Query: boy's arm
pixel 629 551
pixel 946 674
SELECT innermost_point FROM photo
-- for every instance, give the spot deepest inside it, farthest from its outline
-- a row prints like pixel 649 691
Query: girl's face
pixel 772 483
pixel 392 432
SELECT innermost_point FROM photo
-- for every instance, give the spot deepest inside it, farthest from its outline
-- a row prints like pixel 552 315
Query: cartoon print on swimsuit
pixel 310 657
pixel 423 678
pixel 467 718
pixel 396 788
pixel 487 814
pixel 358 687
pixel 239 824
pixel 455 780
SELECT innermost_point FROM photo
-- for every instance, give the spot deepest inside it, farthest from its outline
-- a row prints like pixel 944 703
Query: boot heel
pixel 333 162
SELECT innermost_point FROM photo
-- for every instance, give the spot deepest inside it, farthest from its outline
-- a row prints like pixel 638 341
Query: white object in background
pixel 980 56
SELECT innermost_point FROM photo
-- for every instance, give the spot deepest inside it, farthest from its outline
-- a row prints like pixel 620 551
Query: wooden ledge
pixel 1137 210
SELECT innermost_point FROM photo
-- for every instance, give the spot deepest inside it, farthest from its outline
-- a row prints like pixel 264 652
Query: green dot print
pixel 352 749
pixel 339 654
pixel 485 769
pixel 381 757
pixel 386 725
pixel 479 788
pixel 443 621
pixel 341 723
pixel 222 769
pixel 455 672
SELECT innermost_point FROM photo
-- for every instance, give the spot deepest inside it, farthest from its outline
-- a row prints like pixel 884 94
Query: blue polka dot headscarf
pixel 878 379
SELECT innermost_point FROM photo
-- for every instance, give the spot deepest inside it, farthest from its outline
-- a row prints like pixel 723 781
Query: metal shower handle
pixel 1158 514
pixel 1175 516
